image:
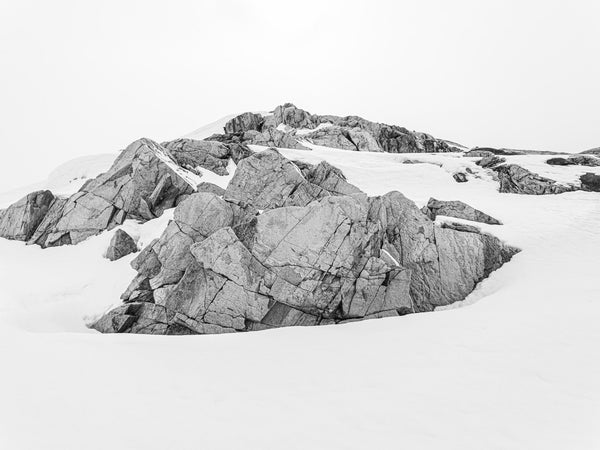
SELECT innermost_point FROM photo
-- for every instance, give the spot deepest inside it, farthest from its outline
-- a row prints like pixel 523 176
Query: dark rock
pixel 592 151
pixel 121 245
pixel 457 209
pixel 244 122
pixel 328 258
pixel 590 182
pixel 460 177
pixel 517 180
pixel 559 162
pixel 20 220
pixel 460 227
pixel 490 161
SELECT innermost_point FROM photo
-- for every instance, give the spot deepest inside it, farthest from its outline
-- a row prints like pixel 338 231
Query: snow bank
pixel 517 369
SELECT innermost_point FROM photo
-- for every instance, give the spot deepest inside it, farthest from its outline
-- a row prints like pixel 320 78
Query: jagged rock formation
pixel 145 180
pixel 517 180
pixel 296 244
pixel 348 133
pixel 141 184
pixel 590 182
pixel 19 221
pixel 575 160
pixel 120 245
pixel 458 210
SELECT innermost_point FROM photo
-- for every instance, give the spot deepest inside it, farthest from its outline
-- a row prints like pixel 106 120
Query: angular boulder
pixel 458 210
pixel 20 220
pixel 244 122
pixel 121 244
pixel 490 161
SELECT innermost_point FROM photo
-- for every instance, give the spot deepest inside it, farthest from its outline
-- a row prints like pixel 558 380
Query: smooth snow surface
pixel 516 369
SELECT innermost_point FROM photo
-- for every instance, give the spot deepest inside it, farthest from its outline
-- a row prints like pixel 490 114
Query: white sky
pixel 89 77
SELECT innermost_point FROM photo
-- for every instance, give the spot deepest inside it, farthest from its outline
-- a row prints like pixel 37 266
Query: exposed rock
pixel 592 151
pixel 590 182
pixel 335 259
pixel 460 177
pixel 210 187
pixel 121 245
pixel 457 209
pixel 272 137
pixel 267 180
pixel 460 227
pixel 288 114
pixel 335 137
pixel 490 161
pixel 192 154
pixel 479 153
pixel 142 183
pixel 244 122
pixel 575 160
pixel 20 220
pixel 559 162
pixel 515 179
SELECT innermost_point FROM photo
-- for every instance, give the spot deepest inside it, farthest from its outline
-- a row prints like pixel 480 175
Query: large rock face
pixel 348 133
pixel 296 244
pixel 590 182
pixel 20 220
pixel 141 184
pixel 517 180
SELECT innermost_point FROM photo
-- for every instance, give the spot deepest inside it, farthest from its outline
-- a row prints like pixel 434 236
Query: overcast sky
pixel 89 77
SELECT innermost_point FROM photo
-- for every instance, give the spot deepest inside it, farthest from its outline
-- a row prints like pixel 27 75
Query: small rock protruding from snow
pixel 458 210
pixel 122 244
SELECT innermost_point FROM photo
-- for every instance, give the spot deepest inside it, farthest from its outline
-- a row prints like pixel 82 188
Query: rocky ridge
pixel 292 244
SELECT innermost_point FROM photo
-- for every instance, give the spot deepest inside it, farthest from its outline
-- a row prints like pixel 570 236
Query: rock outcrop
pixel 348 133
pixel 458 210
pixel 296 244
pixel 517 180
pixel 120 245
pixel 575 160
pixel 142 183
pixel 490 161
pixel 590 182
pixel 20 220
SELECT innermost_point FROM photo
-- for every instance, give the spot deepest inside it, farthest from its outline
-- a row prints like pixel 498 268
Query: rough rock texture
pixel 490 161
pixel 486 151
pixel 590 182
pixel 592 151
pixel 244 122
pixel 120 245
pixel 191 154
pixel 517 180
pixel 141 184
pixel 210 187
pixel 348 133
pixel 457 209
pixel 296 244
pixel 20 220
pixel 575 160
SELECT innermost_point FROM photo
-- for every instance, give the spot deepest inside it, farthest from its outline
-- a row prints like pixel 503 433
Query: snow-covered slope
pixel 516 369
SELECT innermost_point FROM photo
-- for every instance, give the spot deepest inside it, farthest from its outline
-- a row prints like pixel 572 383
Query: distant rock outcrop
pixel 458 210
pixel 280 129
pixel 296 244
pixel 121 245
pixel 575 160
pixel 490 161
pixel 517 180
